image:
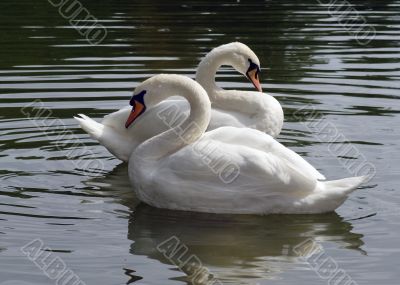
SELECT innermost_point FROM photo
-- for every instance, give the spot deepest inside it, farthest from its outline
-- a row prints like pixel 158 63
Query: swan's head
pixel 243 59
pixel 158 88
pixel 138 107
pixel 149 93
pixel 253 74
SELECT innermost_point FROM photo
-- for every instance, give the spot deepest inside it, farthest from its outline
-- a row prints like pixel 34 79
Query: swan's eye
pixel 138 98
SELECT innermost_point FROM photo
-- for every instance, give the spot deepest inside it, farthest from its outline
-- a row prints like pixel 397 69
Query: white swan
pixel 226 170
pixel 230 107
pixel 239 108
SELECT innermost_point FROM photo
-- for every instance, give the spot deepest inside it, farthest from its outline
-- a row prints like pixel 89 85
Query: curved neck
pixel 224 99
pixel 181 132
pixel 206 71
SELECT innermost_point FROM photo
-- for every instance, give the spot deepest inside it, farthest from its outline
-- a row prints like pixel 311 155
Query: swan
pixel 226 170
pixel 239 108
pixel 230 107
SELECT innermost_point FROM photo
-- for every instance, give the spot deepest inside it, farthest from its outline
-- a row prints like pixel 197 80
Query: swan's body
pixel 186 168
pixel 230 107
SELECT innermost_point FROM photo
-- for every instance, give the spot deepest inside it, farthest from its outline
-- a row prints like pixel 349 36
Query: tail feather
pixel 93 128
pixel 343 187
pixel 329 195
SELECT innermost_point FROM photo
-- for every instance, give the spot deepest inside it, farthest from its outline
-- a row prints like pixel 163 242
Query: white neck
pixel 188 131
pixel 224 99
pixel 207 69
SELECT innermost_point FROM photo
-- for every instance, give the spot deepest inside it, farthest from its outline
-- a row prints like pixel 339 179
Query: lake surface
pixel 89 218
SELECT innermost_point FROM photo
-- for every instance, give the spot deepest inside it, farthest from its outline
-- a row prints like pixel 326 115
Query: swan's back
pixel 271 178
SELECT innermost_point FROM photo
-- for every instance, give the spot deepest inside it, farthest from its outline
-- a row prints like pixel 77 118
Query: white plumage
pixel 230 107
pixel 176 169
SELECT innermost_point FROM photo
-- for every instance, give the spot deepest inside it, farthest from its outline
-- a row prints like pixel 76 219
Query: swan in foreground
pixel 230 107
pixel 226 170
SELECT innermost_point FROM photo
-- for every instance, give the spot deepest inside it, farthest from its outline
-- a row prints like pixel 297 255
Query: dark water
pixel 92 221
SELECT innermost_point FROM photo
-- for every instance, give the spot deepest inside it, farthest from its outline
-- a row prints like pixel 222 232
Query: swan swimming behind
pixel 230 107
pixel 169 171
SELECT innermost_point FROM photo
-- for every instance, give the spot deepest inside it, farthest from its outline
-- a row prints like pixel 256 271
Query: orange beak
pixel 252 75
pixel 137 109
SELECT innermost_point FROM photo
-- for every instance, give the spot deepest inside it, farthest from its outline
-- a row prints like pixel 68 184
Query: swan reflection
pixel 241 249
